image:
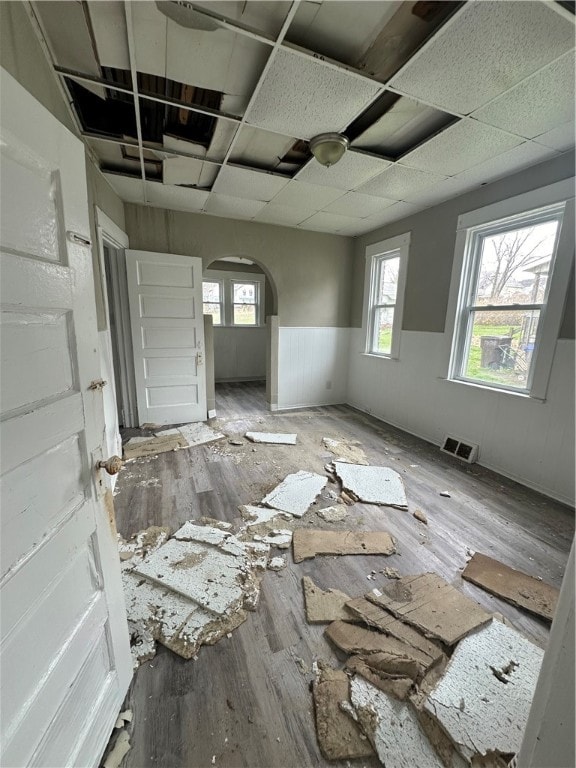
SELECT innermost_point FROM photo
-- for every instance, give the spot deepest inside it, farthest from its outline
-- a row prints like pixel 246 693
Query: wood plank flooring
pixel 245 702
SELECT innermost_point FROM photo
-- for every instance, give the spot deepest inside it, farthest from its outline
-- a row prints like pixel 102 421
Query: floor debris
pixel 370 668
pixel 391 573
pixel 194 434
pixel 431 605
pixel 372 485
pixel 339 737
pixel 274 438
pixel 276 563
pixel 309 543
pixel 118 752
pixel 511 585
pixel 333 514
pixel 323 606
pixel 258 515
pixel 137 447
pixel 190 590
pixel 421 516
pixel 345 450
pixel 281 538
pixel 296 493
pixel 480 711
pixel 123 717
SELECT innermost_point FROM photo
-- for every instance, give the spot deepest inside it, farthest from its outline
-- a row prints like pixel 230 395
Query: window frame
pixel 376 255
pixel 256 304
pixel 555 201
pixel 220 303
pixel 227 280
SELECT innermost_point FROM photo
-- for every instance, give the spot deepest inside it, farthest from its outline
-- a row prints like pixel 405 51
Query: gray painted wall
pixel 432 248
pixel 311 272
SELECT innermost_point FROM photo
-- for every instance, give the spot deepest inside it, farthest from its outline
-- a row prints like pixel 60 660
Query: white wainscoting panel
pixel 239 353
pixel 312 366
pixel 527 440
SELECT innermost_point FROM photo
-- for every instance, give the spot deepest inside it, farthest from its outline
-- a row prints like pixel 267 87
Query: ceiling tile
pixel 358 205
pixel 299 194
pixel 393 213
pixel 184 170
pixel 256 185
pixel 560 138
pixel 260 149
pixel 522 156
pixel 359 227
pixel 303 97
pixel 352 170
pixel 284 214
pixel 537 104
pixel 109 26
pixel 327 222
pixel 234 207
pixel 128 188
pixel 398 182
pixel 175 198
pixel 483 51
pixel 460 147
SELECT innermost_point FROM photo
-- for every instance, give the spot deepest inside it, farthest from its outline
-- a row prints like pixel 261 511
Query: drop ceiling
pixel 209 107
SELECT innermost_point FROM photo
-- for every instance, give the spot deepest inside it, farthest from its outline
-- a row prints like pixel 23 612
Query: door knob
pixel 113 465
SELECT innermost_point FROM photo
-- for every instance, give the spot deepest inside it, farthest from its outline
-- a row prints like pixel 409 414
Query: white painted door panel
pixel 64 654
pixel 165 293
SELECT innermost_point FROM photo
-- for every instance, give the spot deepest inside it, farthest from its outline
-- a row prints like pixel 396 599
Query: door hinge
pixel 98 384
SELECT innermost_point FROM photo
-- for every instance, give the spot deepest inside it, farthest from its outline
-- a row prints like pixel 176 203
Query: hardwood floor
pixel 245 702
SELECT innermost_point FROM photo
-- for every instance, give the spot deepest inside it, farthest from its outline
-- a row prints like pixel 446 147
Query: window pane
pixel 388 283
pixel 214 310
pixel 244 314
pixel 501 347
pixel 244 293
pixel 514 265
pixel 211 292
pixel 383 330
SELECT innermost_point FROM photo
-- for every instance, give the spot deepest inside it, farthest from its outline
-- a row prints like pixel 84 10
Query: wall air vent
pixel 462 450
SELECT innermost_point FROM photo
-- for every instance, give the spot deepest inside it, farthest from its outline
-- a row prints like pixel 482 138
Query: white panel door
pixel 64 654
pixel 165 293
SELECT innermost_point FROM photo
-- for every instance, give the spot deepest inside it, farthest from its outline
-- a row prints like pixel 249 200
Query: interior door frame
pixel 109 233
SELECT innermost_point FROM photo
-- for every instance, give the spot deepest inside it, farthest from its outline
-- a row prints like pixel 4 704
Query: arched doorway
pixel 241 329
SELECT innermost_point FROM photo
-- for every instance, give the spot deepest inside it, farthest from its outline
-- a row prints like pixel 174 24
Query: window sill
pixel 380 357
pixel 495 390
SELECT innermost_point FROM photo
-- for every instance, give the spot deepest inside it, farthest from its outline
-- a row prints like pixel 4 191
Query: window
pixel 385 279
pixel 244 303
pixel 234 299
pixel 511 294
pixel 212 299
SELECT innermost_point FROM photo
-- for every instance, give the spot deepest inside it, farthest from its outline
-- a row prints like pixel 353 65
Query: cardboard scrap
pixel 338 735
pixel 433 606
pixel 136 447
pixel 511 585
pixel 373 485
pixel 272 438
pixel 324 606
pixel 397 685
pixel 484 698
pixel 308 543
pixel 382 620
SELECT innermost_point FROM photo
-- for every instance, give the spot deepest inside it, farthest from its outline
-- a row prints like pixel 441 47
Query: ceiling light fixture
pixel 328 148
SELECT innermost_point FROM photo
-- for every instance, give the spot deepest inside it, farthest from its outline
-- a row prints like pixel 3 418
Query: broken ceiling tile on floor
pixel 333 514
pixel 397 685
pixel 393 728
pixel 137 447
pixel 431 605
pixel 324 606
pixel 345 450
pixel 199 434
pixel 373 485
pixel 383 621
pixel 339 738
pixel 276 563
pixel 484 697
pixel 258 515
pixel 308 543
pixel 275 438
pixel 281 538
pixel 511 585
pixel 296 493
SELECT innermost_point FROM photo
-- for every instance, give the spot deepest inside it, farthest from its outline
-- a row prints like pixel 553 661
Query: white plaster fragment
pixel 296 492
pixel 345 451
pixel 202 533
pixel 392 727
pixel 277 563
pixel 198 434
pixel 123 717
pixel 373 485
pixel 276 438
pixel 333 514
pixel 281 538
pixel 119 751
pixel 484 697
pixel 258 515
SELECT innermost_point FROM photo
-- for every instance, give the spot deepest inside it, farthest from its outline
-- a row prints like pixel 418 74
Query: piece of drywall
pixel 433 235
pixel 311 271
